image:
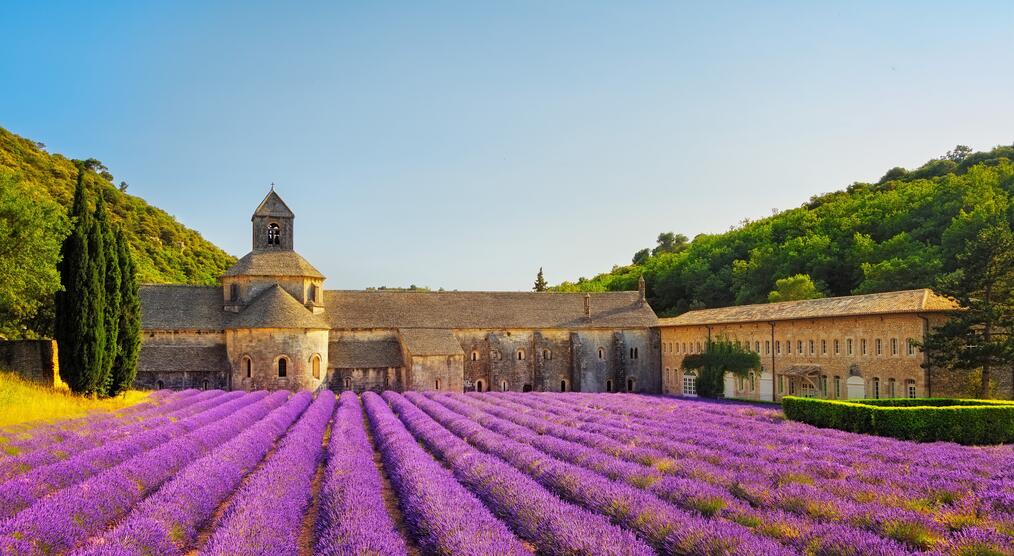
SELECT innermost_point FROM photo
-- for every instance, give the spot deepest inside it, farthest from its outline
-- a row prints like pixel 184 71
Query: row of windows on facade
pixel 749 384
pixel 547 355
pixel 282 366
pixel 808 347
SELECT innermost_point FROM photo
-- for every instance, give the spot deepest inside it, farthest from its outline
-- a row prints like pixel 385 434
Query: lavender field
pixel 276 473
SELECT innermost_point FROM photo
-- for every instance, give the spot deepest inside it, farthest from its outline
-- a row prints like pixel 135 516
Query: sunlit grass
pixel 22 401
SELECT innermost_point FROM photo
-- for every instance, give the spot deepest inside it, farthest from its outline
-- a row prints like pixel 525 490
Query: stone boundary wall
pixel 33 360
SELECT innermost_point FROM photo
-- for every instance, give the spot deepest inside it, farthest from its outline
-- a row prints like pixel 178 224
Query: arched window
pixel 910 388
pixel 891 388
pixel 667 375
pixel 521 354
pixel 503 385
pixel 204 385
pixel 160 385
pixel 876 388
pixel 436 386
pixel 547 355
pixel 563 385
pixel 475 356
pixel 283 367
pixel 630 385
pixel 313 293
pixel 348 383
pixel 609 386
pixel 248 366
pixel 633 353
pixel 274 234
pixel 315 365
pixel 602 353
pixel 233 292
pixel 480 385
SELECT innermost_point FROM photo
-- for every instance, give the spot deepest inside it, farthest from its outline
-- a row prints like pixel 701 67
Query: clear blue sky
pixel 466 144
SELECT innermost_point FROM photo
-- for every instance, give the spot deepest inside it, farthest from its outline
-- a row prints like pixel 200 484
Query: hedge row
pixel 924 420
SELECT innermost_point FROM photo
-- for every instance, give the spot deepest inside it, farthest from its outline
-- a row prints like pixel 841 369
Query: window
pixel 837 347
pixel 667 376
pixel 878 346
pixel 436 385
pixel 767 347
pixel 699 347
pixel 689 384
pixel 547 355
pixel 823 385
pixel 348 383
pixel 313 293
pixel 315 366
pixel 274 234
pixel 891 392
pixel 503 386
pixel 911 346
pixel 788 346
pixel 756 347
pixel 480 385
pixel 204 385
pixel 837 387
pixel 876 388
pixel 521 355
pixel 753 382
pixel 684 347
pixel 778 347
pixel 248 365
pixel 609 386
pixel 910 388
pixel 799 347
pixel 233 292
pixel 781 384
pixel 475 356
pixel 283 367
pixel 862 346
pixel 812 349
pixel 563 385
pixel 894 346
pixel 823 347
pixel 633 353
pixel 160 385
pixel 630 385
pixel 848 346
pixel 602 353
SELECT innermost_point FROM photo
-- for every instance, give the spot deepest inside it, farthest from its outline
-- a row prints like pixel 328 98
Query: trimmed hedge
pixel 919 419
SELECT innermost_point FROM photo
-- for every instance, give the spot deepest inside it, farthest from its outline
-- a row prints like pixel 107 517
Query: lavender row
pixel 48 450
pixel 168 521
pixel 352 516
pixel 599 454
pixel 535 514
pixel 668 528
pixel 25 437
pixel 69 517
pixel 266 514
pixel 22 490
pixel 442 515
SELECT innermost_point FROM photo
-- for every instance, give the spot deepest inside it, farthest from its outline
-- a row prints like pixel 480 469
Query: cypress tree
pixel 95 295
pixel 129 327
pixel 111 311
pixel 71 311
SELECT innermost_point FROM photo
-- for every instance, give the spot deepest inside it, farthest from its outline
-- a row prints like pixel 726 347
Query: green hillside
pixel 899 233
pixel 35 192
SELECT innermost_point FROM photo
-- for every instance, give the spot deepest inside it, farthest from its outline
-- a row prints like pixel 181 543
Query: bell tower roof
pixel 273 207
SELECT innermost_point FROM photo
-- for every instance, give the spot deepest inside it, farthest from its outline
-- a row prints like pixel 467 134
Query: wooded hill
pixel 36 190
pixel 899 233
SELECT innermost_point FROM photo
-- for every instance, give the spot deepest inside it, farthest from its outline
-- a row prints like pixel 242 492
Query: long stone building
pixel 861 346
pixel 272 325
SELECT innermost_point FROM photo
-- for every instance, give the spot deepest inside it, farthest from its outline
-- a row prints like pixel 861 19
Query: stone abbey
pixel 272 325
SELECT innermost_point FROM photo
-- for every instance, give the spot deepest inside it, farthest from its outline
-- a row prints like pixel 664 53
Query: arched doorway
pixel 504 386
pixel 609 386
pixel 563 385
pixel 526 388
pixel 630 385
pixel 480 385
pixel 160 385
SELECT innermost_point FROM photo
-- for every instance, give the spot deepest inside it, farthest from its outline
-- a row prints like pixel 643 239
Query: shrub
pixel 921 419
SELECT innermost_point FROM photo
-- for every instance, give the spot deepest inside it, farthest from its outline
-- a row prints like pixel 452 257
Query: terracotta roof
pixel 155 358
pixel 429 341
pixel 350 353
pixel 273 205
pixel 907 301
pixel 455 310
pixel 273 262
pixel 174 307
pixel 275 308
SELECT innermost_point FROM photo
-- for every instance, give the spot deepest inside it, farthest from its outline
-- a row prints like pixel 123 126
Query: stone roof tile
pixel 429 341
pixel 273 262
pixel 275 308
pixel 352 353
pixel 176 307
pixel 156 358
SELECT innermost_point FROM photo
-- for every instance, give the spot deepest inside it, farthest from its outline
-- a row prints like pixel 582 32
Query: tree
pixel 79 326
pixel 540 282
pixel 957 154
pixel 979 335
pixel 32 228
pixel 641 256
pixel 720 356
pixel 668 242
pixel 794 288
pixel 128 341
pixel 111 313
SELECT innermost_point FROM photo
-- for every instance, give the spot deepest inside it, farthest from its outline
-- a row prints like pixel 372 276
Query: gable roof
pixel 156 358
pixel 273 262
pixel 353 353
pixel 429 341
pixel 273 205
pixel 275 308
pixel 906 301
pixel 456 310
pixel 178 307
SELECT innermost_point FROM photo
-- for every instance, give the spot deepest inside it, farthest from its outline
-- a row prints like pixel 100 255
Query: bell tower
pixel 272 224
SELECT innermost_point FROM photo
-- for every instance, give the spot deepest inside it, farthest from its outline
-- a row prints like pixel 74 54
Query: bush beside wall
pixel 923 420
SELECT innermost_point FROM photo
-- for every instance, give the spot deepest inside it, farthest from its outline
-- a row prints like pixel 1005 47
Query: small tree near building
pixel 540 282
pixel 720 356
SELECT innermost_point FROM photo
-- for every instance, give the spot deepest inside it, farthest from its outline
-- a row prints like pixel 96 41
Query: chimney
pixel 641 289
pixel 587 305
